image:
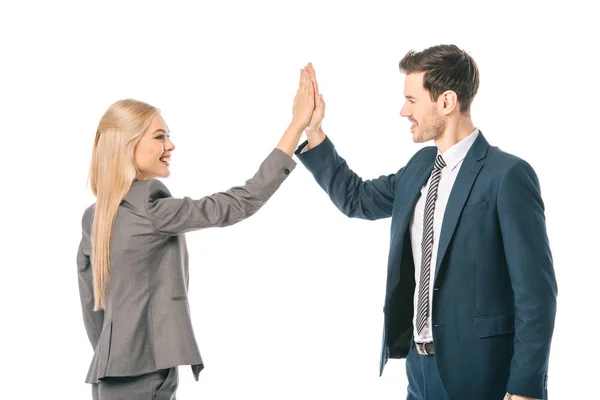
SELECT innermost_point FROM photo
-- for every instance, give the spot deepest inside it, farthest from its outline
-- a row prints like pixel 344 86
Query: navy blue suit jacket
pixel 494 299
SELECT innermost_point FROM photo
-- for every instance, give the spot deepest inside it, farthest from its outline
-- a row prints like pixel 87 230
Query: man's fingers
pixel 313 76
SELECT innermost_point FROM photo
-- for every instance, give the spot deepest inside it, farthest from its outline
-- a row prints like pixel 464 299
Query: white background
pixel 287 304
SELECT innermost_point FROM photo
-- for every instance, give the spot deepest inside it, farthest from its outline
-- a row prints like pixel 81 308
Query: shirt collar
pixel 455 154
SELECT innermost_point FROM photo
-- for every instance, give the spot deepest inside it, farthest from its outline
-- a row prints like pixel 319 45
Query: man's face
pixel 427 122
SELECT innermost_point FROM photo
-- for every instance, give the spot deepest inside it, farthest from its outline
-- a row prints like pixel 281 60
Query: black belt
pixel 425 349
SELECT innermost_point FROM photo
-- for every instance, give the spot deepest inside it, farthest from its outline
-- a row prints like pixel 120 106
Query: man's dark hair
pixel 446 67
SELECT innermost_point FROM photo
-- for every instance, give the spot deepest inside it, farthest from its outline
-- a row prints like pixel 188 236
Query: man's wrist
pixel 315 136
pixel 313 129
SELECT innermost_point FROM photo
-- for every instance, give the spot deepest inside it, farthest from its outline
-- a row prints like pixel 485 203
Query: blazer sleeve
pixel 173 216
pixel 92 319
pixel 527 251
pixel 356 198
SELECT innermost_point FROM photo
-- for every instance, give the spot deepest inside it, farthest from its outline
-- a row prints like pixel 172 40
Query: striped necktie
pixel 427 243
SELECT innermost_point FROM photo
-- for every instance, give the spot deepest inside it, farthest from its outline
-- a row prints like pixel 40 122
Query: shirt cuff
pixel 305 148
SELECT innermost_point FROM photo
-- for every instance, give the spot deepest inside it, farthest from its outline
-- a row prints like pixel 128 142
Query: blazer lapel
pixel 412 190
pixel 407 194
pixel 460 193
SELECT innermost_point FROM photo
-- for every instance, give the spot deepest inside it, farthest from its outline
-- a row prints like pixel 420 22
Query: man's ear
pixel 448 102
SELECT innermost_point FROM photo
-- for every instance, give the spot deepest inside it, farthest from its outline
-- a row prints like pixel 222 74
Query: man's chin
pixel 418 139
pixel 424 138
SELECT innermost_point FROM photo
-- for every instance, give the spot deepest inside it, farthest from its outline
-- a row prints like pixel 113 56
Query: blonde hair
pixel 112 173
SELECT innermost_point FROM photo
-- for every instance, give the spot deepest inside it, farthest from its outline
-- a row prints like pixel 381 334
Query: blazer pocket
pixel 495 325
pixel 475 208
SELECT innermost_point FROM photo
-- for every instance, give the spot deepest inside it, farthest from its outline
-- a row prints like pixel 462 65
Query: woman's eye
pixel 160 137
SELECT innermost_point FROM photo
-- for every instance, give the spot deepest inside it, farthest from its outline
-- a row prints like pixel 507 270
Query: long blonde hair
pixel 112 173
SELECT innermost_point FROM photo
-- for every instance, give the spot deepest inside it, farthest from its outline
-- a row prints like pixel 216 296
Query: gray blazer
pixel 146 324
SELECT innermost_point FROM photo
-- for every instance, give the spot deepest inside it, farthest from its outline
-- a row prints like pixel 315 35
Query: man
pixel 471 292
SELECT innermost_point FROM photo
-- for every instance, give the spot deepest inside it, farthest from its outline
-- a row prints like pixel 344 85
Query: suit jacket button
pixel 287 171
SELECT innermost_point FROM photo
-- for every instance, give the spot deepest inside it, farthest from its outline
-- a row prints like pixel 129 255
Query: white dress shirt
pixel 453 157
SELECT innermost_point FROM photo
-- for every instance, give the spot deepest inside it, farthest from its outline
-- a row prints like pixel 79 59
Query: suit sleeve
pixel 527 252
pixel 173 216
pixel 354 197
pixel 92 319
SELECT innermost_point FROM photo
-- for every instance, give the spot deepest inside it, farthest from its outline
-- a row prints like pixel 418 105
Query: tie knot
pixel 439 162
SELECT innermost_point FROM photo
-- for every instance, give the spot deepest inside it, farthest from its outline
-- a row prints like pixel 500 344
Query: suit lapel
pixel 460 193
pixel 407 194
pixel 412 191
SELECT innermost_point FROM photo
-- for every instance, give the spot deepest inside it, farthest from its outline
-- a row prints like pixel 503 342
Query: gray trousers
pixel 159 385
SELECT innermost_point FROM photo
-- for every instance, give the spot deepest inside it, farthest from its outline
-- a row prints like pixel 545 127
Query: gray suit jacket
pixel 146 324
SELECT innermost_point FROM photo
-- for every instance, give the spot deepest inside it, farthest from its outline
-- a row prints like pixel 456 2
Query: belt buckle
pixel 421 349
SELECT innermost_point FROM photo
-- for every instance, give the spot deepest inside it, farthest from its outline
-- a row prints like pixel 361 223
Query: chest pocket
pixel 476 208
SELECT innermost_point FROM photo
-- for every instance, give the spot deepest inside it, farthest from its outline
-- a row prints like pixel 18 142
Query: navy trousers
pixel 424 382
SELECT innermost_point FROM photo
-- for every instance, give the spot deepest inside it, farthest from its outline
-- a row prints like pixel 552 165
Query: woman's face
pixel 153 152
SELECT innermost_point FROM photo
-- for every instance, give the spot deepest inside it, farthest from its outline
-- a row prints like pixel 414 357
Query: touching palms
pixel 319 112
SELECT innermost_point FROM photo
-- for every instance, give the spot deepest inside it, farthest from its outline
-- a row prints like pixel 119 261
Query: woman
pixel 132 260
